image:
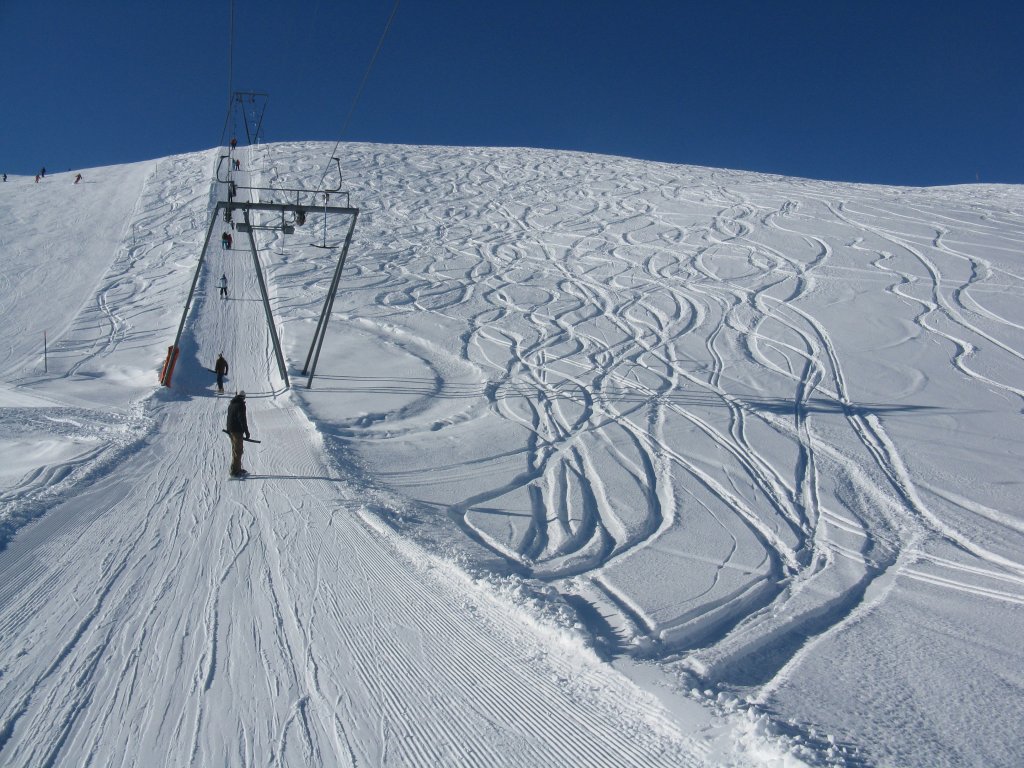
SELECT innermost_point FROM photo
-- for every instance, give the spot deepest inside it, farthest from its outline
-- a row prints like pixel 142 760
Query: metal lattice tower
pixel 294 206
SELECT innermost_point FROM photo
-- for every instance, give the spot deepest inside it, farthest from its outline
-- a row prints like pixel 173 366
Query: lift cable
pixel 355 101
pixel 231 57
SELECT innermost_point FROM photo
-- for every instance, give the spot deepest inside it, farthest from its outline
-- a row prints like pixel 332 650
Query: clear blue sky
pixel 894 92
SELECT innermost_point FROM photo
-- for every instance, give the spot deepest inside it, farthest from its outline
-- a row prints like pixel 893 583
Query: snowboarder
pixel 221 369
pixel 238 430
pixel 224 286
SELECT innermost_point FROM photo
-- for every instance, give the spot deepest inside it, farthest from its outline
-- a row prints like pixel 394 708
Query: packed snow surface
pixel 604 463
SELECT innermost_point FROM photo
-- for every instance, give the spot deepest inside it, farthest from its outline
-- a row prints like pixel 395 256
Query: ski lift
pixel 252 118
pixel 286 226
pixel 327 196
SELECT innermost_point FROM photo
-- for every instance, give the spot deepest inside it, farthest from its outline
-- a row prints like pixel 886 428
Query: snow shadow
pixel 428 387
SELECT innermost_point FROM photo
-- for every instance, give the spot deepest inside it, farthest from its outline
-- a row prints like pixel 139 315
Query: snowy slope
pixel 606 462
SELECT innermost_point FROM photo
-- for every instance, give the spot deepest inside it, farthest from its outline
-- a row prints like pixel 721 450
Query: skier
pixel 237 429
pixel 224 239
pixel 78 178
pixel 42 173
pixel 224 286
pixel 230 241
pixel 234 142
pixel 5 177
pixel 221 369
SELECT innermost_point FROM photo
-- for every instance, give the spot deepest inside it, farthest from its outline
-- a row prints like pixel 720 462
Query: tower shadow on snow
pixel 430 387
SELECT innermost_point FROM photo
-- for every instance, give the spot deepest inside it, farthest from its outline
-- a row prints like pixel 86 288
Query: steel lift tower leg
pixel 266 301
pixel 325 314
pixel 188 302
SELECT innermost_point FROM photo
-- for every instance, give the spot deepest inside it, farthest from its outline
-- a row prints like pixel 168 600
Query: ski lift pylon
pixel 324 245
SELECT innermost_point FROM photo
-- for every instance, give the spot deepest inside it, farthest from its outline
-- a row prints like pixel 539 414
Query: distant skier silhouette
pixel 224 286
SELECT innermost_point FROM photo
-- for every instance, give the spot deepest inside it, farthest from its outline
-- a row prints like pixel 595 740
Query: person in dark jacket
pixel 221 369
pixel 237 429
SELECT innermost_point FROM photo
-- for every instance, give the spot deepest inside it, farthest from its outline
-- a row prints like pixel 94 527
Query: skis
pixel 244 473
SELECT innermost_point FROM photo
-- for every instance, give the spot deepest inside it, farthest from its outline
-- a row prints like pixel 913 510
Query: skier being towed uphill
pixel 237 429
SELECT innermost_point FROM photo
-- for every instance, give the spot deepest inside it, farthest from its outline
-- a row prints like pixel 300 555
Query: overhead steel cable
pixel 231 58
pixel 355 101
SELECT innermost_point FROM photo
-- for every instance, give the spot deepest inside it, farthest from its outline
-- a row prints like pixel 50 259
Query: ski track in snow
pixel 680 436
pixel 190 620
pixel 650 350
pixel 582 328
